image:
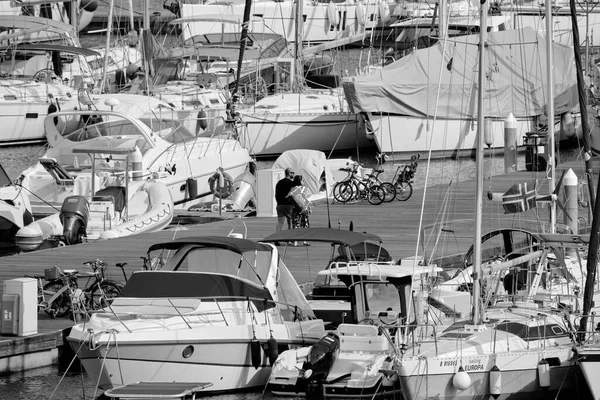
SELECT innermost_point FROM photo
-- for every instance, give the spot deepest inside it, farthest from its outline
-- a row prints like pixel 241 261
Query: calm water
pixel 49 383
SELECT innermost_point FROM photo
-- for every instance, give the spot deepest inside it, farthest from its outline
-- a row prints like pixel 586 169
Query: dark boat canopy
pixel 336 236
pixel 168 284
pixel 222 242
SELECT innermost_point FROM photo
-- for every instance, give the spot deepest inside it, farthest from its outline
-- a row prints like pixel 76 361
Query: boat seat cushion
pixel 117 193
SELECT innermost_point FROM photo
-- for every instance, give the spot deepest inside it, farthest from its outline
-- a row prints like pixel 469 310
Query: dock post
pixel 571 201
pixel 510 144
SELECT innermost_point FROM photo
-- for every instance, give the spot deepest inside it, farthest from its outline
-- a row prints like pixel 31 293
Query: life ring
pixel 221 192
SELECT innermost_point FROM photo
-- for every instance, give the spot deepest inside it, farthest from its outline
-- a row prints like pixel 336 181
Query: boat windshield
pixel 169 129
pixel 95 128
pixel 253 266
pixel 382 297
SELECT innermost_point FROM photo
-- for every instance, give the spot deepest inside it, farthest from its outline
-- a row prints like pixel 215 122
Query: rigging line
pixel 67 370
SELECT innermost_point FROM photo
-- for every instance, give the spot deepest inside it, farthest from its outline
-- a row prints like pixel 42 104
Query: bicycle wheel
pixel 61 305
pixel 375 195
pixel 390 192
pixel 343 192
pixel 102 295
pixel 403 191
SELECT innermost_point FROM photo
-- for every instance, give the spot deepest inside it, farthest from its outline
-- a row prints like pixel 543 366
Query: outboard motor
pixel 74 216
pixel 318 363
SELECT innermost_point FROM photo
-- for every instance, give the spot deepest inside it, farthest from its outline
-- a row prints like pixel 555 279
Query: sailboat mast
pixel 585 126
pixel 479 164
pixel 550 111
pixel 243 44
pixel 111 7
pixel 299 30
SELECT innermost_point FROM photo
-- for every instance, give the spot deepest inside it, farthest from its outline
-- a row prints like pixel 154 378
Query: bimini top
pixel 336 236
pixel 222 242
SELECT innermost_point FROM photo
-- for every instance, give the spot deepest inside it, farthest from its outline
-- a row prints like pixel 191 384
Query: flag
pixel 518 198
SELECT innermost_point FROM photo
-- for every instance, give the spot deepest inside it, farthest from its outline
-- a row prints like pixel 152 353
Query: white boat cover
pixel 515 79
pixel 311 164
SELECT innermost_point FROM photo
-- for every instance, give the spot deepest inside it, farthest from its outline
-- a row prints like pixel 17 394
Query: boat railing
pixel 189 311
pixel 411 336
pixel 590 337
pixel 374 267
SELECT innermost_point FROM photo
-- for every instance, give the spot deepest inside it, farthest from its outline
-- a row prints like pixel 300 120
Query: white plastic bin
pixel 26 289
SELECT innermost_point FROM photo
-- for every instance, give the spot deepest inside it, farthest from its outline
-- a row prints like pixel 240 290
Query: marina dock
pixel 397 223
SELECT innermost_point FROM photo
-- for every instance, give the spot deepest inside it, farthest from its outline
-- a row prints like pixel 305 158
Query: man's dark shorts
pixel 285 211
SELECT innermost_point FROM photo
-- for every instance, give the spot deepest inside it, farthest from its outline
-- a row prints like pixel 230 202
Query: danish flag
pixel 518 198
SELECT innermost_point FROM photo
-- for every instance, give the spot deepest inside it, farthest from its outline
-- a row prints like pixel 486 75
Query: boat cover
pixel 311 164
pixel 446 79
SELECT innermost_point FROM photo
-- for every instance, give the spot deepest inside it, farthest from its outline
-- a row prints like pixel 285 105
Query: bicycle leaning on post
pixel 355 188
pixel 61 294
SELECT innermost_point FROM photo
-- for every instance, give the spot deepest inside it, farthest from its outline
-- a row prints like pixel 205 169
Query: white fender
pixel 332 14
pixel 360 13
pixel 157 217
pixel 30 237
pixel 384 12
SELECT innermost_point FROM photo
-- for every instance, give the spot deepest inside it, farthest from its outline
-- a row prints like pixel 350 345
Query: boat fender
pixel 272 350
pixel 332 14
pixel 495 382
pixel 544 374
pixel 384 12
pixel 360 13
pixel 461 379
pixel 201 121
pixel 255 351
pixel 192 188
pixel 137 164
pixel 221 185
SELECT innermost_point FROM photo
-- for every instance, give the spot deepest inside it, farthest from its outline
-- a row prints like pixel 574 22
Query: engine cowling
pixel 74 216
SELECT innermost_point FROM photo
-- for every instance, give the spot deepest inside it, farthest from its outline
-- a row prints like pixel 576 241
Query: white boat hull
pixel 272 134
pixel 279 18
pixel 589 362
pixel 24 106
pixel 221 355
pixel 424 379
pixel 405 136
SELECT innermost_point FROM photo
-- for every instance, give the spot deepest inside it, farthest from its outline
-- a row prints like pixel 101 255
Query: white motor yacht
pixel 214 309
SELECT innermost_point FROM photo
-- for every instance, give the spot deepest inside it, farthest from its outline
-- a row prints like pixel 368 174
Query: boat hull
pixel 589 362
pixel 273 134
pixel 445 138
pixel 433 377
pixel 320 23
pixel 220 355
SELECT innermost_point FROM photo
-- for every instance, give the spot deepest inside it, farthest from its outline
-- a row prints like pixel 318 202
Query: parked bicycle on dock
pixel 356 188
pixel 59 291
pixel 404 176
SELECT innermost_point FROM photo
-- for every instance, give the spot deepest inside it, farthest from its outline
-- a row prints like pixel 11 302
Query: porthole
pixel 188 351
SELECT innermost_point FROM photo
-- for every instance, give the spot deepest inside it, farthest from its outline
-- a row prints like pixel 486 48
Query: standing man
pixel 285 204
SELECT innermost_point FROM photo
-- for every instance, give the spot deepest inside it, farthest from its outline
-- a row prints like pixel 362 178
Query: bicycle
pixel 354 188
pixel 62 295
pixel 403 178
pixel 52 296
